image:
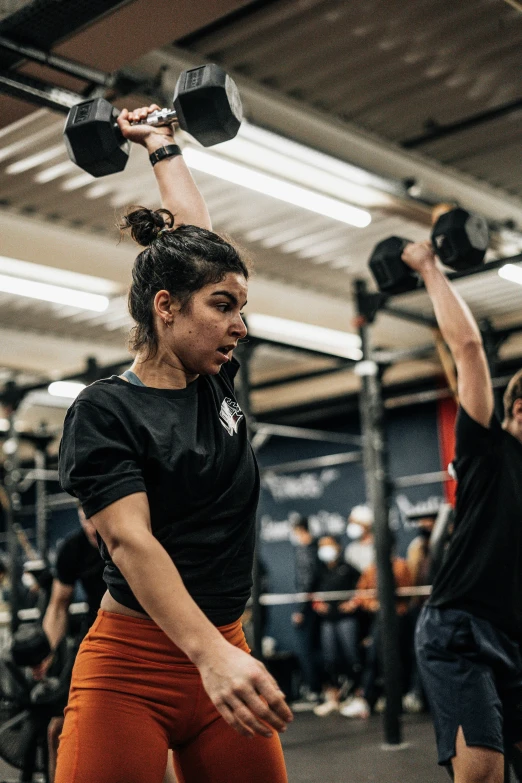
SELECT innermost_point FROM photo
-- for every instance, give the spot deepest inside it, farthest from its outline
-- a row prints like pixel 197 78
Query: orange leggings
pixel 133 695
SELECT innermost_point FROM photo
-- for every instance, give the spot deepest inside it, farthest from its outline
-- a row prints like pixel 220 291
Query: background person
pixel 160 460
pixel 360 552
pixel 304 618
pixel 365 697
pixel 339 628
pixel 468 635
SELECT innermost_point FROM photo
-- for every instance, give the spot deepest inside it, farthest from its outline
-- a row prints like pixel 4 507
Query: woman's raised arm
pixel 179 193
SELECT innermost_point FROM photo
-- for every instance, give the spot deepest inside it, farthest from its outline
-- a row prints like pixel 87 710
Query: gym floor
pixel 337 750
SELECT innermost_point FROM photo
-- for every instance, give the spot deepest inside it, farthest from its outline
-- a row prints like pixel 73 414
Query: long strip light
pixel 53 172
pixel 276 187
pixel 302 335
pixel 53 293
pixel 32 161
pixel 511 272
pixel 289 159
pixel 69 389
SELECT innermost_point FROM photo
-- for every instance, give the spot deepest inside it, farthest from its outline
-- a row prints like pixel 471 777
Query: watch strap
pixel 169 151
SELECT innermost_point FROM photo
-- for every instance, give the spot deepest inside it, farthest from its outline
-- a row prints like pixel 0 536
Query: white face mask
pixel 327 553
pixel 354 530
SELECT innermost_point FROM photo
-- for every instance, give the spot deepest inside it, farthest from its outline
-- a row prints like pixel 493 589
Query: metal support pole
pixel 244 353
pixel 12 505
pixel 41 504
pixel 378 488
pixel 58 63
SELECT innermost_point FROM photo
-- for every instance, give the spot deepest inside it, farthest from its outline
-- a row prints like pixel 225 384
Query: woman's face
pixel 206 332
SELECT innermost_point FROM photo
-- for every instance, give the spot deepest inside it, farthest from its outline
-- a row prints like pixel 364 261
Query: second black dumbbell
pixel 460 239
pixel 30 645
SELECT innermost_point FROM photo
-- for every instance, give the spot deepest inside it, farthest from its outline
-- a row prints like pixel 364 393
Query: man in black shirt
pixel 468 636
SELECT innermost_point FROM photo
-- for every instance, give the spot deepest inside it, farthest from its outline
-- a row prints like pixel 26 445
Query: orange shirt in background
pixel 368 581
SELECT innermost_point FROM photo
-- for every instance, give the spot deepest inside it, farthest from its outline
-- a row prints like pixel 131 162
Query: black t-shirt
pixel 342 576
pixel 188 450
pixel 482 571
pixel 78 560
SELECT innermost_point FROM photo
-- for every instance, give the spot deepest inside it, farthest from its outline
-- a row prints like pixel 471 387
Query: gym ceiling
pixel 421 97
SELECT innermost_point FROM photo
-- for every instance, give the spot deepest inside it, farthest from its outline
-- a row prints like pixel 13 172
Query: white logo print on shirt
pixel 230 415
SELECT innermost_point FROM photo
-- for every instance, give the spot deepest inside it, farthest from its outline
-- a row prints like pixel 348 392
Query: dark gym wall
pixel 326 496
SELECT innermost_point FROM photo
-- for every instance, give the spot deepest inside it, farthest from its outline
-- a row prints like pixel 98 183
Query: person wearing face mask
pixel 365 696
pixel 304 618
pixel 339 628
pixel 360 552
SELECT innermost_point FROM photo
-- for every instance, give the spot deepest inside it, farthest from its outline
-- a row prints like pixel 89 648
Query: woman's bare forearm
pixel 55 624
pixel 178 191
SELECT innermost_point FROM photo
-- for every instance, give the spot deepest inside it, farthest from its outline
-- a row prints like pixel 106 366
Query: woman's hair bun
pixel 147 224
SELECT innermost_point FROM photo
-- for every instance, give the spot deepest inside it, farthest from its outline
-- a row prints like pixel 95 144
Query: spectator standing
pixel 304 618
pixel 339 628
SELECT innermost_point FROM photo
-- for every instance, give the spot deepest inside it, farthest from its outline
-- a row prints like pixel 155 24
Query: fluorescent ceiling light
pixel 99 190
pixel 4 425
pixel 78 182
pixel 47 175
pixel 83 300
pixel 305 166
pixel 301 335
pixel 69 389
pixel 35 160
pixel 276 187
pixel 320 160
pixel 28 270
pixel 511 272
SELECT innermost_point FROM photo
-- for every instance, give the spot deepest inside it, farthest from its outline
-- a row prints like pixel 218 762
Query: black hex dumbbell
pixel 460 239
pixel 206 105
pixel 30 645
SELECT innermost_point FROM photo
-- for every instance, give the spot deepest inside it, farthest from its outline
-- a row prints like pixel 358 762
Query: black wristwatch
pixel 164 152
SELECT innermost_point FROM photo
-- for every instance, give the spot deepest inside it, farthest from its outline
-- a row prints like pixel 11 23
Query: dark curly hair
pixel 181 261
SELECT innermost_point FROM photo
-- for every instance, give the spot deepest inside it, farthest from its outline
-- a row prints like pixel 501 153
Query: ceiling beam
pixel 450 129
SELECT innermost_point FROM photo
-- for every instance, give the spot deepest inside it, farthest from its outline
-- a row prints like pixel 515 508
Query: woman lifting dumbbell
pixel 160 460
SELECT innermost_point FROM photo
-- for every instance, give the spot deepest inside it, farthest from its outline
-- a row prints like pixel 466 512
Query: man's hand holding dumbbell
pixel 459 239
pixel 419 256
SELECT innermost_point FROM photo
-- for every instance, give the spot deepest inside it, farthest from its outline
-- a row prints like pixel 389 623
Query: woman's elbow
pixel 128 545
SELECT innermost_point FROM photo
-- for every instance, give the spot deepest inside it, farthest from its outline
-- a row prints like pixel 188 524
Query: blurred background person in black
pixel 304 618
pixel 339 627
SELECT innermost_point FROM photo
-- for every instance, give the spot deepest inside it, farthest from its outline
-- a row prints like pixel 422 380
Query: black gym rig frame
pixel 119 83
